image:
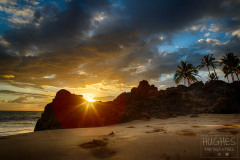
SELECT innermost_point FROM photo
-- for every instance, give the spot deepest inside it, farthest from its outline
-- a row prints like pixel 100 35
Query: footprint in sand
pixel 103 152
pixel 166 157
pixel 98 148
pixel 186 133
pixel 148 126
pixel 228 130
pixel 195 126
pixel 232 125
pixel 94 144
pixel 110 135
pixel 156 130
pixel 130 127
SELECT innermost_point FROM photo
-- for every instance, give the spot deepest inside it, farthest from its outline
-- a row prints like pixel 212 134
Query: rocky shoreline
pixel 143 102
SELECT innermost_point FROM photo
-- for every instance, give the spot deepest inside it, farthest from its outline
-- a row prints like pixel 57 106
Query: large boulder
pixel 58 114
pixel 72 111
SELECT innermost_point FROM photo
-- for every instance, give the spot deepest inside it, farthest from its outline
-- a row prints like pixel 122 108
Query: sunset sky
pixel 101 48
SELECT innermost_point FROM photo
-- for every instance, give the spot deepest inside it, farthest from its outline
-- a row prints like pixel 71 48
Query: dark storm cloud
pixel 123 40
pixel 59 29
pixel 93 4
pixel 144 16
pixel 7 59
pixel 56 27
pixel 64 27
pixel 36 17
pixel 151 16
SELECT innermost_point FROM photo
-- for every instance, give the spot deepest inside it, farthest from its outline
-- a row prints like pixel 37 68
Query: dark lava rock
pixel 143 102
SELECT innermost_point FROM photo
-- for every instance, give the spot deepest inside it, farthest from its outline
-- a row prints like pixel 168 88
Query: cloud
pixel 19 100
pixel 34 95
pixel 16 14
pixel 219 49
pixel 104 99
pixel 50 26
pixel 214 28
pixel 8 2
pixel 3 101
pixel 7 76
pixel 237 32
pixel 95 41
pixel 102 89
pixel 165 16
pixel 208 41
pixel 206 34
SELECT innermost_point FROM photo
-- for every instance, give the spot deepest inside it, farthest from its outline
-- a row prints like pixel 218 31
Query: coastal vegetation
pixel 188 72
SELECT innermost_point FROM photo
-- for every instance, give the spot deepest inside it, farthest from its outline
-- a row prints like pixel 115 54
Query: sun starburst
pixel 90 99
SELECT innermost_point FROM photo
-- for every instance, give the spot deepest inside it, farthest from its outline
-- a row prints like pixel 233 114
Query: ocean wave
pixel 25 123
pixel 14 122
pixel 18 119
pixel 18 130
pixel 15 132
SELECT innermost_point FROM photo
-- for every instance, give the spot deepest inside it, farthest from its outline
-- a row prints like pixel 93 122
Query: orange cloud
pixel 7 76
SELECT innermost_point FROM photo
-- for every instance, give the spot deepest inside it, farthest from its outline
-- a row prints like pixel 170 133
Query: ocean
pixel 18 122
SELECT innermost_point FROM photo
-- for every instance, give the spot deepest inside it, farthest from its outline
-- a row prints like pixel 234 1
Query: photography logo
pixel 219 146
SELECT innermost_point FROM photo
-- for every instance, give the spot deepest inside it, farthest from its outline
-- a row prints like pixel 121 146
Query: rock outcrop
pixel 72 111
pixel 143 102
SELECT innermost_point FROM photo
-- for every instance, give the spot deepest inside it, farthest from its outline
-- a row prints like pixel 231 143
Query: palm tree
pixel 207 61
pixel 238 70
pixel 226 72
pixel 187 72
pixel 231 65
pixel 213 77
pixel 213 64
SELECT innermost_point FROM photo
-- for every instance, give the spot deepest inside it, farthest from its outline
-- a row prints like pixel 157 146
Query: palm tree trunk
pixel 188 81
pixel 232 77
pixel 237 76
pixel 208 70
pixel 215 72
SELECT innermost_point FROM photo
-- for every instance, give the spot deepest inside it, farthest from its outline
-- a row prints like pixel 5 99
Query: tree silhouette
pixel 226 72
pixel 231 65
pixel 208 61
pixel 213 64
pixel 213 77
pixel 186 72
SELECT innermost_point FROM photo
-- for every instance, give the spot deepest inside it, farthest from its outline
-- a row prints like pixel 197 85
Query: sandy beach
pixel 154 139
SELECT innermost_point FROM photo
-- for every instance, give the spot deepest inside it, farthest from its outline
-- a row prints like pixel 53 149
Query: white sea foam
pixel 17 122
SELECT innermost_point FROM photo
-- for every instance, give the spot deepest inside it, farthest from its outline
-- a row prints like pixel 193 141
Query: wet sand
pixel 155 139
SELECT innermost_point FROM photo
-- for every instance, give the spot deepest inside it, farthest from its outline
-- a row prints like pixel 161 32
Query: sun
pixel 90 99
